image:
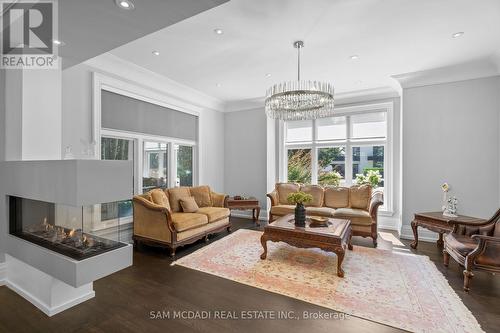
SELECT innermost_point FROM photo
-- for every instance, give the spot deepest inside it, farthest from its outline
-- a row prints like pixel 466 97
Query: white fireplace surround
pixel 49 280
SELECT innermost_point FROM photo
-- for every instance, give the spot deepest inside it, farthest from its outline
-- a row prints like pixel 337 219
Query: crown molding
pixel 357 96
pixel 245 104
pixel 109 63
pixel 480 68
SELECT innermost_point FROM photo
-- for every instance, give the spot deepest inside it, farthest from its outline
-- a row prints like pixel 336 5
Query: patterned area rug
pixel 401 290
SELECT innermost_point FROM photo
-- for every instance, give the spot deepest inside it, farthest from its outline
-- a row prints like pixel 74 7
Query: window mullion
pixel 314 156
pixel 348 156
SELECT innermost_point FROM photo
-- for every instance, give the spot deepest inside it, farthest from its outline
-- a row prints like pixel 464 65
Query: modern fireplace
pixel 61 228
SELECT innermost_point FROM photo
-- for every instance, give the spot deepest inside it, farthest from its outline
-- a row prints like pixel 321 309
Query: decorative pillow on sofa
pixel 201 195
pixel 159 197
pixel 317 193
pixel 336 197
pixel 189 205
pixel 284 189
pixel 175 194
pixel 360 196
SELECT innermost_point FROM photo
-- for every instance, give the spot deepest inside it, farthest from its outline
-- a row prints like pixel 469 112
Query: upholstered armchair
pixel 474 246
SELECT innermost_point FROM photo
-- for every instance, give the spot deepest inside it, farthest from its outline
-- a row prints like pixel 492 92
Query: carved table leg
pixel 414 226
pixel 263 241
pixel 446 258
pixel 440 242
pixel 257 216
pixel 340 257
pixel 349 244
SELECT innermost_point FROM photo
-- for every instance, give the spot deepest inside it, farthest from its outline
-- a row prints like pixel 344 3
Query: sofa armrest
pixel 152 220
pixel 486 239
pixel 377 200
pixel 273 196
pixel 219 199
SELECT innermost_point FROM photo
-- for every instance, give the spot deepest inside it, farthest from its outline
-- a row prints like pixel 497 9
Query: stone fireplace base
pixel 47 293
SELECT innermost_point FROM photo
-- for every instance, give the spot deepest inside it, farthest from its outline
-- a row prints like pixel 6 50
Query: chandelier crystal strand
pixel 300 100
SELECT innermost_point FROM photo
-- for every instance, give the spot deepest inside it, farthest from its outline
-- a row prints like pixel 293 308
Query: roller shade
pixel 124 113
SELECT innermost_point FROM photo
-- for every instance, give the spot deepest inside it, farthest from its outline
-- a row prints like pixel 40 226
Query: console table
pixel 245 204
pixel 437 222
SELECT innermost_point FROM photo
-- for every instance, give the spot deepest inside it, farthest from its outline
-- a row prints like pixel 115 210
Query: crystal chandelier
pixel 300 100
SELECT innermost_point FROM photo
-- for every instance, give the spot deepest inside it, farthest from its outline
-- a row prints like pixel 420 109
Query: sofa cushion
pixel 336 197
pixel 281 210
pixel 320 211
pixel 174 194
pixel 214 213
pixel 317 193
pixel 360 196
pixel 357 216
pixel 186 221
pixel 461 243
pixel 284 189
pixel 202 195
pixel 160 198
pixel 188 205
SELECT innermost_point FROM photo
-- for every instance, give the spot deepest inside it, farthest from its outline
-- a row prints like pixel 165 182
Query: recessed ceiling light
pixel 457 34
pixel 218 85
pixel 268 75
pixel 125 4
pixel 57 42
pixel 218 31
pixel 156 53
pixel 354 57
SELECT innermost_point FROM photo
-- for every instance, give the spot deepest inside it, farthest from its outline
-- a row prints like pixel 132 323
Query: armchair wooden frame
pixel 469 261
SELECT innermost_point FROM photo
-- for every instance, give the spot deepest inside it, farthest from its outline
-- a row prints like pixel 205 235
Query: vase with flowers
pixel 299 199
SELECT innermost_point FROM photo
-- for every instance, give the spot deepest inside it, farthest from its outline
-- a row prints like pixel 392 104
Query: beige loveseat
pixel 159 218
pixel 356 203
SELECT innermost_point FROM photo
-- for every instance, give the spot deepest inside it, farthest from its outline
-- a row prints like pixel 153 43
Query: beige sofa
pixel 356 203
pixel 158 216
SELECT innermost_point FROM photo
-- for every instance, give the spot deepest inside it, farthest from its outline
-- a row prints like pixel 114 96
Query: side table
pixel 437 222
pixel 245 204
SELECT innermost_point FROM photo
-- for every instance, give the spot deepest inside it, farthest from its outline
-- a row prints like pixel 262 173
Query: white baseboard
pixel 49 311
pixel 388 223
pixel 3 273
pixel 424 235
pixel 248 215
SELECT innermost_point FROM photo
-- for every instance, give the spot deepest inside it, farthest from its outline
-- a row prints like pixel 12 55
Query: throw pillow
pixel 189 205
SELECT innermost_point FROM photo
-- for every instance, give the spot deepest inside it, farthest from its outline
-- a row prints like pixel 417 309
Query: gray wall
pixel 2 149
pixel 245 154
pixel 451 133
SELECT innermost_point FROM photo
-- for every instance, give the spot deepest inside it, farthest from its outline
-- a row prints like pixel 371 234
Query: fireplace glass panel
pixel 61 228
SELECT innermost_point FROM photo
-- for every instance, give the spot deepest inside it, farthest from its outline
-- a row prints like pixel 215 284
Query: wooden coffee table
pixel 437 222
pixel 334 238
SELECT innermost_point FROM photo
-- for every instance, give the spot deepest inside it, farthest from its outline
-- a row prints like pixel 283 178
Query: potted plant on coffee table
pixel 299 199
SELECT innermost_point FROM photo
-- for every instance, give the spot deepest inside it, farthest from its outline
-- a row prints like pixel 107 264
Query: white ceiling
pixel 390 36
pixel 91 27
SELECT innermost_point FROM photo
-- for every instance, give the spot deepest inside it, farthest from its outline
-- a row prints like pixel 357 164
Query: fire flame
pixel 72 233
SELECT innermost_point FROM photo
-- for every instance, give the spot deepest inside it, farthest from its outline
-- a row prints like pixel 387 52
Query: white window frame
pixel 314 145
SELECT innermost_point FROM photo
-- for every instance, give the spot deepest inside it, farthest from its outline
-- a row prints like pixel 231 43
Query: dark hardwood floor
pixel 124 300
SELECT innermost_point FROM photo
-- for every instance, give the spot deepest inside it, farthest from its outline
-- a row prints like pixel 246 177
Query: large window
pixel 338 149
